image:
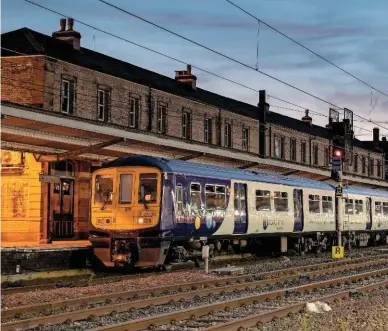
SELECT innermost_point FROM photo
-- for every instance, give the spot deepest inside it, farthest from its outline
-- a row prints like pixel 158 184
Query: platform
pixel 28 258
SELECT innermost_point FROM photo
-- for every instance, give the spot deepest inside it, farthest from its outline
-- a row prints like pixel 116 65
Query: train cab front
pixel 125 206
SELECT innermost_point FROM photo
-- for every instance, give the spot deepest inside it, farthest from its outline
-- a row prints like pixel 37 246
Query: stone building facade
pixel 57 75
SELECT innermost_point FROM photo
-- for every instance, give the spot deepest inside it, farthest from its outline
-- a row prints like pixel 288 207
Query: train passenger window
pixel 179 198
pixel 349 206
pixel 263 200
pixel 195 196
pixel 358 206
pixel 378 208
pixel 148 188
pixel 281 201
pixel 327 204
pixel 125 188
pixel 385 208
pixel 215 197
pixel 314 203
pixel 103 189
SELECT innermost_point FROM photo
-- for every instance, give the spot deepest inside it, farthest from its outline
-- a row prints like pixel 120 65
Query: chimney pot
pixel 188 68
pixel 62 23
pixel 185 76
pixel 376 137
pixel 70 24
pixel 307 118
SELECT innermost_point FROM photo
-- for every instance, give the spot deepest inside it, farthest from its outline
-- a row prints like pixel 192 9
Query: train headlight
pixel 144 220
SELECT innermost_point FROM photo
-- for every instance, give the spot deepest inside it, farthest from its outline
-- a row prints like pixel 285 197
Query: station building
pixel 67 109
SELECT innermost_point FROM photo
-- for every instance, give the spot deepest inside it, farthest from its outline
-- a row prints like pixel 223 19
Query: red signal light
pixel 338 153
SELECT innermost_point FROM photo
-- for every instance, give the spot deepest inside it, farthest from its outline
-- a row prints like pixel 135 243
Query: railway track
pixel 86 308
pixel 241 313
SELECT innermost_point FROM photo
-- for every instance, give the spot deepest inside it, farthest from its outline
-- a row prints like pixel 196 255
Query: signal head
pixel 338 153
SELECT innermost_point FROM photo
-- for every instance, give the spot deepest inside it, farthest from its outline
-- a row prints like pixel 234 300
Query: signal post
pixel 336 173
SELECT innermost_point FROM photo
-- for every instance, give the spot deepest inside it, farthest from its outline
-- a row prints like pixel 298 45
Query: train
pixel 156 212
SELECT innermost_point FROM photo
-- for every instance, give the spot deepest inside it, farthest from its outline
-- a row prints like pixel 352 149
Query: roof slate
pixel 31 42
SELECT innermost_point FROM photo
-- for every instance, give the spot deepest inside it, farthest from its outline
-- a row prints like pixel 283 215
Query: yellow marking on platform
pixel 46 275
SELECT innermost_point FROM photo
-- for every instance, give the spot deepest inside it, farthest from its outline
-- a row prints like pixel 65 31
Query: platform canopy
pixel 51 137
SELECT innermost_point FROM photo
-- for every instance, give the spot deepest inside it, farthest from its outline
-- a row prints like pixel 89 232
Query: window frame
pixel 208 130
pixel 200 193
pixel 263 196
pixel 355 166
pixel 357 203
pixel 303 152
pixel 327 199
pixel 120 201
pixel 346 203
pixel 315 155
pixel 314 198
pixel 161 118
pixel 101 107
pixel 134 111
pixel 378 166
pixel 280 148
pixel 185 125
pixel 371 167
pixel 157 188
pixel 363 164
pixel 281 198
pixel 215 193
pixel 293 149
pixel 179 203
pixel 227 135
pixel 63 96
pixel 380 204
pixel 245 140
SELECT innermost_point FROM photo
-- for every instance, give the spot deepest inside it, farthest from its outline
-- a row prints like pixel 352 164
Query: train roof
pixel 206 170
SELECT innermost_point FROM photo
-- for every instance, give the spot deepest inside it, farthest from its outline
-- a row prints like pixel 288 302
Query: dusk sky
pixel 351 33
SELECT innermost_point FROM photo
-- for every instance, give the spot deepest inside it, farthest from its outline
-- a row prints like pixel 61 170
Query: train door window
pixel 358 206
pixel 242 190
pixel 215 197
pixel 125 189
pixel 314 203
pixel 179 198
pixel 327 204
pixel 103 189
pixel 385 208
pixel 349 206
pixel 281 201
pixel 148 188
pixel 195 196
pixel 263 200
pixel 378 208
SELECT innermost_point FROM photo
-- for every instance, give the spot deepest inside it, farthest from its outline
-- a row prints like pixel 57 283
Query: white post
pixel 340 211
pixel 205 256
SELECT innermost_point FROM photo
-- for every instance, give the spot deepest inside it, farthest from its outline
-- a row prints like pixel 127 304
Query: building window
pixel 355 163
pixel 227 135
pixel 371 167
pixel 186 125
pixel 279 147
pixel 103 105
pixel 293 149
pixel 134 112
pixel 303 152
pixel 315 154
pixel 208 131
pixel 162 118
pixel 378 168
pixel 326 157
pixel 245 140
pixel 363 165
pixel 67 96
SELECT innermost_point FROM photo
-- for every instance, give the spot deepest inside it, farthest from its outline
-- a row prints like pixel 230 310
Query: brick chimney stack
pixel 69 35
pixel 307 118
pixel 185 76
pixel 376 137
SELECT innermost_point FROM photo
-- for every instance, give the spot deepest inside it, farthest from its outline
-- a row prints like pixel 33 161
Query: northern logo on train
pixel 265 222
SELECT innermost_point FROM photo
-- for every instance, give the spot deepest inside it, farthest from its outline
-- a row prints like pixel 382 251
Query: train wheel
pixel 199 263
pixel 167 267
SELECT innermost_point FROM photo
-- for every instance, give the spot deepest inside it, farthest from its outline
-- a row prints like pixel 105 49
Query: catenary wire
pixel 306 48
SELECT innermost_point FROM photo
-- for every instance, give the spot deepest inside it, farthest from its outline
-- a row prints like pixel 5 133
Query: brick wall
pixel 23 80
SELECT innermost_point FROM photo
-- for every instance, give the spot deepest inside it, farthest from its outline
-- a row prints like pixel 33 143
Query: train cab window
pixel 125 188
pixel 281 201
pixel 358 206
pixel 378 207
pixel 179 198
pixel 385 208
pixel 148 188
pixel 327 204
pixel 195 196
pixel 103 192
pixel 314 203
pixel 349 208
pixel 263 200
pixel 215 197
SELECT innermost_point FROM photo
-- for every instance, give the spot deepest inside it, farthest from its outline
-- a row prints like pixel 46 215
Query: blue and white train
pixel 149 211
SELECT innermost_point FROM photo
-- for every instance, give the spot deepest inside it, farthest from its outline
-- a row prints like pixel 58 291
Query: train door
pixel 368 204
pixel 240 208
pixel 125 199
pixel 298 210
